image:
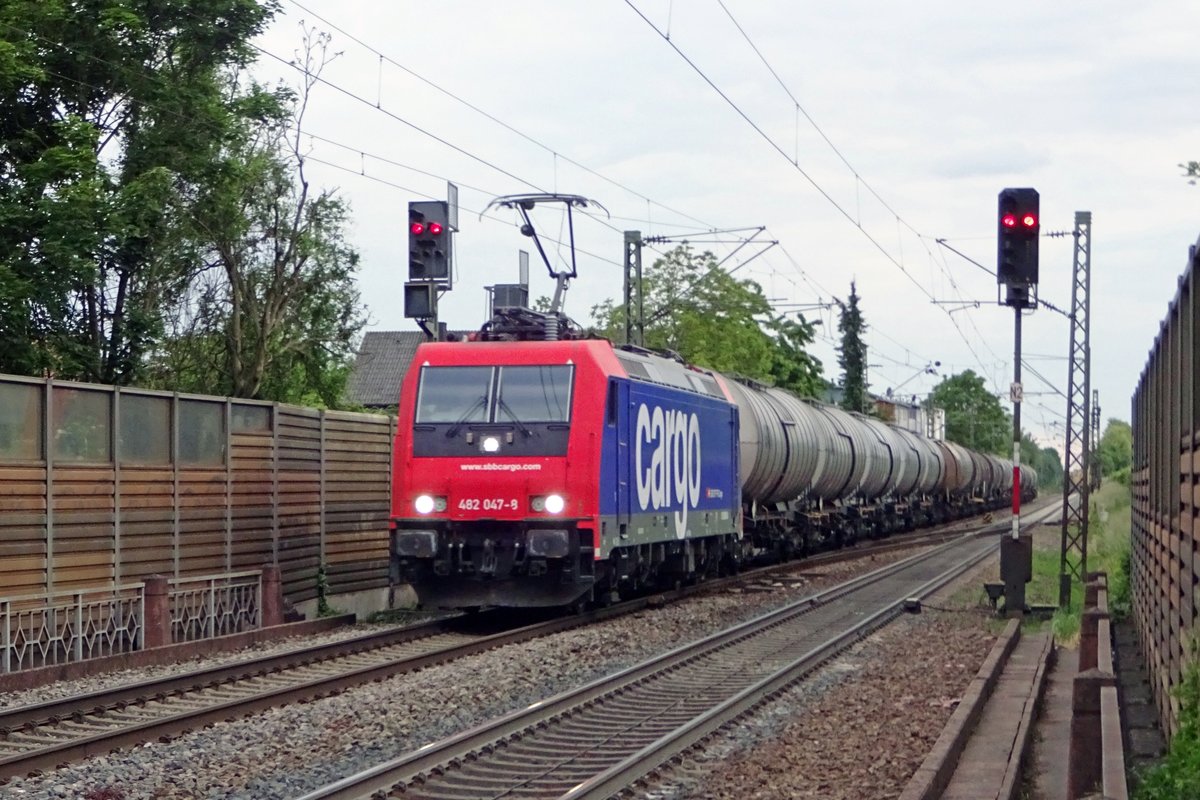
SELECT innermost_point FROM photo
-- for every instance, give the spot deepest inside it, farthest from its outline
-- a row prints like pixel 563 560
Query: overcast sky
pixel 922 112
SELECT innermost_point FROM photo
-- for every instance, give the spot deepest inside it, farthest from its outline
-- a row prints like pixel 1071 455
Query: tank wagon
pixel 554 473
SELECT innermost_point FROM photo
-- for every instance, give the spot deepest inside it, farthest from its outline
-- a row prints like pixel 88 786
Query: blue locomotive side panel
pixel 669 465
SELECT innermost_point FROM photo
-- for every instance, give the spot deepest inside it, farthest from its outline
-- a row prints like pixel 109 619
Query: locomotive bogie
pixel 474 565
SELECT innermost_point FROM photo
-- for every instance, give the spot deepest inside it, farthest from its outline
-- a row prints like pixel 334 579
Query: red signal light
pixel 1009 220
pixel 435 228
pixel 1029 220
pixel 417 229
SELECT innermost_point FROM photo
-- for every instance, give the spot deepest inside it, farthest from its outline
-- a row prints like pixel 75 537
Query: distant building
pixel 383 358
pixel 907 414
pixel 912 416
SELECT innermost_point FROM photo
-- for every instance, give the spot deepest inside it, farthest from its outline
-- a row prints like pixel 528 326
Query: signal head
pixel 429 241
pixel 1017 243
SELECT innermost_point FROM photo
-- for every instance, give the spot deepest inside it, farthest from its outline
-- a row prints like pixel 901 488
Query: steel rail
pixel 437 759
pixel 621 775
pixel 16 718
pixel 72 737
pixel 47 734
pixel 54 711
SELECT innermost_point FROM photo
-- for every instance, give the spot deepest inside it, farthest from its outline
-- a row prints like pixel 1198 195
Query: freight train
pixel 557 473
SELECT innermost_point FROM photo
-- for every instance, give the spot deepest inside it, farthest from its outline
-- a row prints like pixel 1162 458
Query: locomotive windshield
pixel 534 394
pixel 512 394
pixel 454 394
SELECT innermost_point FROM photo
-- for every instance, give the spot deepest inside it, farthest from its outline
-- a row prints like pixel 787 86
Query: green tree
pixel 793 367
pixel 1115 451
pixel 974 416
pixel 852 353
pixel 111 112
pixel 1043 459
pixel 694 308
pixel 275 313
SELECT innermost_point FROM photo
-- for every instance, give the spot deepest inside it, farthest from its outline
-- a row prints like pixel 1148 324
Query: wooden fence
pixel 101 485
pixel 1166 495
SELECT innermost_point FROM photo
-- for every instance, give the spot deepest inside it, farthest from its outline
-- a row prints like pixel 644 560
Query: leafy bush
pixel 1122 476
pixel 1178 776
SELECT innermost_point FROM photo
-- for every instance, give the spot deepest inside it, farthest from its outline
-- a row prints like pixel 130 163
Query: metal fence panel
pixel 198 486
pixel 1165 484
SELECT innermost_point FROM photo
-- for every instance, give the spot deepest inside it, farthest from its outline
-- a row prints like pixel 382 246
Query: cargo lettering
pixel 670 477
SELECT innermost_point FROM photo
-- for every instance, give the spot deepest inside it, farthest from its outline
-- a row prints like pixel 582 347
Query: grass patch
pixel 1108 551
pixel 1178 776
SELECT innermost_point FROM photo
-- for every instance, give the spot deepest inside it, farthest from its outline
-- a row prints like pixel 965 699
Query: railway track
pixel 597 740
pixel 45 735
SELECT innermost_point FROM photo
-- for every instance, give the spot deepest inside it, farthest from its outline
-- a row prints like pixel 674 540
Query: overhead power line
pixel 363 154
pixel 922 238
pixel 804 173
pixel 533 140
pixel 512 129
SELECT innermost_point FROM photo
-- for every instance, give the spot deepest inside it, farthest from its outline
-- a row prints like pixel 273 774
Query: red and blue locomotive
pixel 539 473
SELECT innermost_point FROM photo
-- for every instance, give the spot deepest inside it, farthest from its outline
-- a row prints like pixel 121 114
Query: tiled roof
pixel 382 360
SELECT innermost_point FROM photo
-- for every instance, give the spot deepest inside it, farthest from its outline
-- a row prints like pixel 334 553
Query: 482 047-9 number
pixel 487 504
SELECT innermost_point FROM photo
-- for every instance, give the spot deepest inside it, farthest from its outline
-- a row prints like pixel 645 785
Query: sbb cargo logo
pixel 667 462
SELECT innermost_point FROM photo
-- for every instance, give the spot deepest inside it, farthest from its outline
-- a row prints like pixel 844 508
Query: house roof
pixel 383 358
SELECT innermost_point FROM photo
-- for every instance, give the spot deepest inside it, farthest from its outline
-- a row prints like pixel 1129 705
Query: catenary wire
pixel 488 163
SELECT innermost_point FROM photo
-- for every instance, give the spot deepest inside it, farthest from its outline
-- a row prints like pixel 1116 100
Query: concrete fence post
pixel 1086 747
pixel 157 622
pixel 272 596
pixel 1089 643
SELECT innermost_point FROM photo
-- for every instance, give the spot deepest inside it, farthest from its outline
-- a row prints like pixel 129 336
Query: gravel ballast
pixel 288 751
pixel 859 727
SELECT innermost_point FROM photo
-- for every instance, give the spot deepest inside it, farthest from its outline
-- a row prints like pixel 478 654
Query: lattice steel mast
pixel 1076 477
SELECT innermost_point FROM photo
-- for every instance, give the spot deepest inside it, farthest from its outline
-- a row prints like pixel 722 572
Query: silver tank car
pixel 794 449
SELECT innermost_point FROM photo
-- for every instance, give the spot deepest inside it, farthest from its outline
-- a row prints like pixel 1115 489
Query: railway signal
pixel 431 228
pixel 429 241
pixel 1018 226
pixel 420 300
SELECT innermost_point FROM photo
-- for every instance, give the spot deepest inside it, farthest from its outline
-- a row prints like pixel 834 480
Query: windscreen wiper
pixel 503 406
pixel 457 426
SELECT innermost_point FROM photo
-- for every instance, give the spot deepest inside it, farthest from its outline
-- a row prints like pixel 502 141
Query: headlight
pixel 490 444
pixel 423 504
pixel 555 504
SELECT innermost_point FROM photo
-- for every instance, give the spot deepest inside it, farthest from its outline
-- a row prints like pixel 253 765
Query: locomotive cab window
pixel 534 394
pixel 454 394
